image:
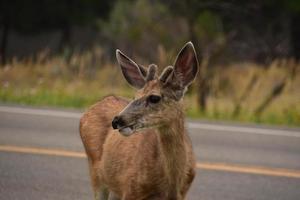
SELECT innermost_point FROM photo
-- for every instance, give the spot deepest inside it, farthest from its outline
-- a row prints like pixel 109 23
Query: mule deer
pixel 139 149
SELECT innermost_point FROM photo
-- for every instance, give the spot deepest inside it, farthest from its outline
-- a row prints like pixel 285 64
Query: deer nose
pixel 117 122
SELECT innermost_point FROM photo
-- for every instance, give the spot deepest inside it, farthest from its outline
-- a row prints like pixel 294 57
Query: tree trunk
pixel 202 81
pixel 276 91
pixel 4 43
pixel 65 37
pixel 65 46
pixel 295 33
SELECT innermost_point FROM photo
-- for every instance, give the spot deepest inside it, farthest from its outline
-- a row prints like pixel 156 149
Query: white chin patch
pixel 126 131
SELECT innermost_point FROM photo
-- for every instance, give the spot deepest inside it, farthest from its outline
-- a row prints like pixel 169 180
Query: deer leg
pixel 100 192
pixel 103 194
pixel 188 182
pixel 113 196
pixel 159 196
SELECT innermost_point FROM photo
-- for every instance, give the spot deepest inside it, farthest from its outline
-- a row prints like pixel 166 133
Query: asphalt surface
pixel 32 176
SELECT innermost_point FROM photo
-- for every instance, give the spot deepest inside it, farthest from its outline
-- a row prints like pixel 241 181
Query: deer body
pixel 156 160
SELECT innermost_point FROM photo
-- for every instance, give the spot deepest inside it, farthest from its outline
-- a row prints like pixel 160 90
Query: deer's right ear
pixel 185 69
pixel 186 65
pixel 130 70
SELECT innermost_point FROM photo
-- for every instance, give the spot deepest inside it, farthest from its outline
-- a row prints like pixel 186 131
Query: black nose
pixel 117 121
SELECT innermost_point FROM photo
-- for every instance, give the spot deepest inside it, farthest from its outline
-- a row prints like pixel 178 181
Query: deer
pixel 140 149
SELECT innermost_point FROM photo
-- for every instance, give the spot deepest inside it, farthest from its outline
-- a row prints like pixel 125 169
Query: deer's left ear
pixel 177 79
pixel 186 65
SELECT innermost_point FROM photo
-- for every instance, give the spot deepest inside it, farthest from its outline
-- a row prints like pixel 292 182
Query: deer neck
pixel 172 147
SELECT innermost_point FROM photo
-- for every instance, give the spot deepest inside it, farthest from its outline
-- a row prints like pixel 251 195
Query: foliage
pixel 225 33
pixel 55 82
pixel 139 27
pixel 35 16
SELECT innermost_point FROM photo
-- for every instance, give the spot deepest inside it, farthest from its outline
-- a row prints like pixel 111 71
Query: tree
pixel 31 17
pixel 147 26
pixel 293 8
pixel 190 10
pixel 259 31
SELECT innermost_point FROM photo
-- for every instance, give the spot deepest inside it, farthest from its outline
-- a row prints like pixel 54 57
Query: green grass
pixel 291 118
pixel 57 95
pixel 49 98
pixel 59 84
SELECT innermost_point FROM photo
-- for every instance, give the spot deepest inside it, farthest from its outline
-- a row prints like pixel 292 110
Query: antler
pixel 152 69
pixel 151 73
pixel 166 74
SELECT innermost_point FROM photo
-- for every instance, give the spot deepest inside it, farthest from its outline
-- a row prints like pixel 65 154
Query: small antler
pixel 143 70
pixel 166 74
pixel 152 69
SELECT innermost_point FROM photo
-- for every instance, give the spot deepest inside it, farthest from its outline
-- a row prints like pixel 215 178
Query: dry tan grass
pixel 83 80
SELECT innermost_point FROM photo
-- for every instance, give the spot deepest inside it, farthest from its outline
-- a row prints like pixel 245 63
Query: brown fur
pixel 155 161
pixel 152 163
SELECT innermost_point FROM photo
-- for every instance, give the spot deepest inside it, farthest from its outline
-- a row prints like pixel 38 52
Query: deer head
pixel 157 101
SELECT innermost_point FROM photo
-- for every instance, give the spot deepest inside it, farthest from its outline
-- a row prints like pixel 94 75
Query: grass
pixel 79 84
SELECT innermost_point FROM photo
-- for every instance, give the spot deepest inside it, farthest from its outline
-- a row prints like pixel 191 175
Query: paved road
pixel 234 162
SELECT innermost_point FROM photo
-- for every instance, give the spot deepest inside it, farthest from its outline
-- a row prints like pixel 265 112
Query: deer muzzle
pixel 119 123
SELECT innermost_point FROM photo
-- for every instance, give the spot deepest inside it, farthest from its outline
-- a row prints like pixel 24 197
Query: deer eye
pixel 154 99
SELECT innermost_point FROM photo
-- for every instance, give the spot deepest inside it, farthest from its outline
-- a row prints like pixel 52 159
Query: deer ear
pixel 130 70
pixel 186 65
pixel 184 72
